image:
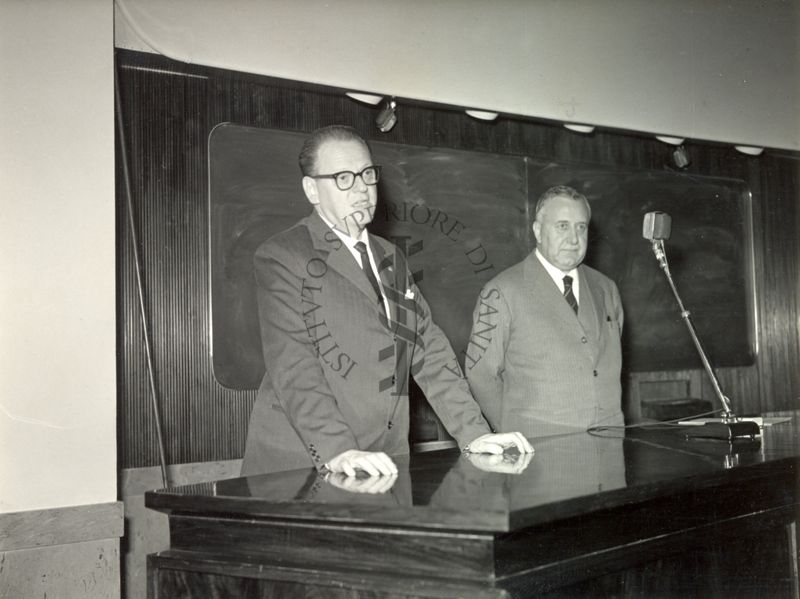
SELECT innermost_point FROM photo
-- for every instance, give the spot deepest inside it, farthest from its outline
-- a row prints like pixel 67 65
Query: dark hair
pixel 560 191
pixel 308 155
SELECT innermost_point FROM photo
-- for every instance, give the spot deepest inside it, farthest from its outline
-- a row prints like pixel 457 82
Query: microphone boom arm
pixel 661 256
pixel 731 425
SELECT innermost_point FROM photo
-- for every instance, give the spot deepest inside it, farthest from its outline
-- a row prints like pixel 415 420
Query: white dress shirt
pixel 558 277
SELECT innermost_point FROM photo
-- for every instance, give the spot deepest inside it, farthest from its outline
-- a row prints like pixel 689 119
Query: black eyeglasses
pixel 346 179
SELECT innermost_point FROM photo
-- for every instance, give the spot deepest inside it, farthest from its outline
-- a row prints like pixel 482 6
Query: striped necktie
pixel 568 295
pixel 367 268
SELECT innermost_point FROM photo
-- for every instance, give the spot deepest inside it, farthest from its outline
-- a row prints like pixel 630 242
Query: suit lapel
pixel 336 254
pixel 547 295
pixel 339 258
pixel 587 309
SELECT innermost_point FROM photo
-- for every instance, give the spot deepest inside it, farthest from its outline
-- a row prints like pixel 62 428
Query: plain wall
pixel 718 70
pixel 57 263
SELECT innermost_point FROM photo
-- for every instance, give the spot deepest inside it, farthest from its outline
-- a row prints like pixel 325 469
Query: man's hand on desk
pixel 497 443
pixel 503 463
pixel 374 463
pixel 357 484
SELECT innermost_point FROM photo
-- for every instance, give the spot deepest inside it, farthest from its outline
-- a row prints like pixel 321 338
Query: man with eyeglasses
pixel 342 327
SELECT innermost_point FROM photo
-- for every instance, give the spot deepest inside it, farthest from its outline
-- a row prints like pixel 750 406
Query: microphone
pixel 656 228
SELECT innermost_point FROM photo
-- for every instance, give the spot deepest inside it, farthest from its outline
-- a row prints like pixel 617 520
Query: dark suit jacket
pixel 336 375
pixel 536 367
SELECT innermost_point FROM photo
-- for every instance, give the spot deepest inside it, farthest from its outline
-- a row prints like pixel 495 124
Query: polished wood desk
pixel 651 514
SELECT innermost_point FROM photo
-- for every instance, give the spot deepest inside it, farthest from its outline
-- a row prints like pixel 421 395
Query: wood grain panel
pixel 467 556
pixel 178 574
pixel 60 526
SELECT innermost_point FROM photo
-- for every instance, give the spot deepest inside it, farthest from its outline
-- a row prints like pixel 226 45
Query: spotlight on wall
pixel 578 128
pixel 481 115
pixel 386 118
pixel 680 157
pixel 749 150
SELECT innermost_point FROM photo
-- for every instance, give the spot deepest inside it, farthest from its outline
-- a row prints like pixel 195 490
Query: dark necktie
pixel 367 268
pixel 568 295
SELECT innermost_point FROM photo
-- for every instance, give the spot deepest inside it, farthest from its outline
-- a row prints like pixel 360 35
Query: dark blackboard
pixel 462 217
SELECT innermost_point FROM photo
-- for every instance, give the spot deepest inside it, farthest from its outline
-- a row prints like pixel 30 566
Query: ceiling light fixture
pixel 673 141
pixel 578 128
pixel 481 115
pixel 750 150
pixel 370 99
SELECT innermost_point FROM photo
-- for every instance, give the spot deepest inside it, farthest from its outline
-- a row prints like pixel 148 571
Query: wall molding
pixel 60 526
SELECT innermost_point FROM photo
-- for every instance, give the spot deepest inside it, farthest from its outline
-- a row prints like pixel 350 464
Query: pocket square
pixel 409 294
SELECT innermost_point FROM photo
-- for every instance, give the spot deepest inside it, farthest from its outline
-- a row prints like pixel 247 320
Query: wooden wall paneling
pixel 167 143
pixel 138 440
pixel 779 265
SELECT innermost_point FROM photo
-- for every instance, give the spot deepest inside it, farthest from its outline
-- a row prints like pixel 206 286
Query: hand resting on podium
pixel 373 485
pixel 374 463
pixel 505 463
pixel 377 463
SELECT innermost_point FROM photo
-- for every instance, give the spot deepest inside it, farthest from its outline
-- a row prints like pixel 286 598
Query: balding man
pixel 544 355
pixel 342 327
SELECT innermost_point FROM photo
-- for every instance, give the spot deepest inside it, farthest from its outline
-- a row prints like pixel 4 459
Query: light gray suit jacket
pixel 536 367
pixel 336 375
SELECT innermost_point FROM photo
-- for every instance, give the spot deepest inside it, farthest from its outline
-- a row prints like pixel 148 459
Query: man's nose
pixel 358 183
pixel 573 236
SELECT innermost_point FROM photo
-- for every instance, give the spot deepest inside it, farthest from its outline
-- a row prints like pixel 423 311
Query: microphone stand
pixel 730 426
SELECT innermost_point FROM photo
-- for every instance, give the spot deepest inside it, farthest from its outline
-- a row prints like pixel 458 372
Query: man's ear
pixel 310 189
pixel 537 229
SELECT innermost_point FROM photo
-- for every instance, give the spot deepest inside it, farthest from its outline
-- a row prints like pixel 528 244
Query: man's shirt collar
pixel 558 275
